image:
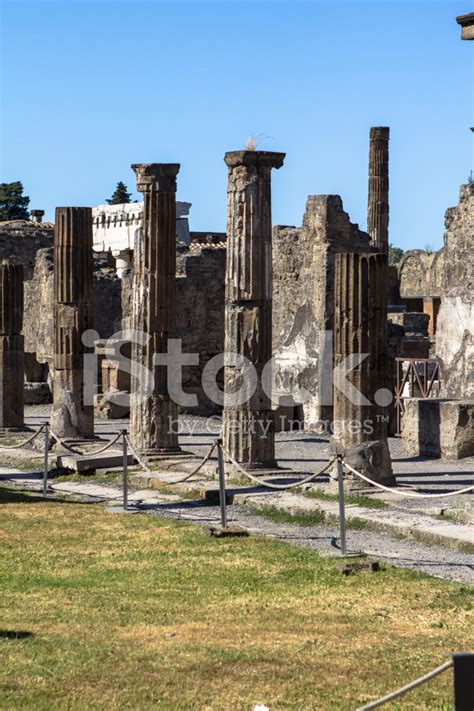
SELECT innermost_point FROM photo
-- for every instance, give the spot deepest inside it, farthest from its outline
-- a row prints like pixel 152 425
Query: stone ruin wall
pixel 455 332
pixel 33 247
pixel 303 293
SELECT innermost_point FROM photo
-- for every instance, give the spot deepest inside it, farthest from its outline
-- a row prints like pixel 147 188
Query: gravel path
pixel 403 553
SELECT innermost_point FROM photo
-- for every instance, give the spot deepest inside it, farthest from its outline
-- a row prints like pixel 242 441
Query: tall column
pixel 360 327
pixel 248 428
pixel 378 208
pixel 72 415
pixel 11 345
pixel 154 305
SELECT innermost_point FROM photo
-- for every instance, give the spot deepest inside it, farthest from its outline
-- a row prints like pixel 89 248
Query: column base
pixel 372 459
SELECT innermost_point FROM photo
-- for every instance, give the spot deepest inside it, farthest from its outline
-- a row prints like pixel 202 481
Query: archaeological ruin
pixel 307 298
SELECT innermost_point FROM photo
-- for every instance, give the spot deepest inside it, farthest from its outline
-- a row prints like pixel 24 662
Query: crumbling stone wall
pixel 303 294
pixel 455 328
pixel 421 274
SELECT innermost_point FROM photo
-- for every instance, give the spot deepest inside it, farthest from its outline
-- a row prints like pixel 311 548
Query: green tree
pixel 394 254
pixel 120 195
pixel 13 204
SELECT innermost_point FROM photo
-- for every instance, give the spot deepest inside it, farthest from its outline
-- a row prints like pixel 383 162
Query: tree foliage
pixel 394 254
pixel 120 195
pixel 13 204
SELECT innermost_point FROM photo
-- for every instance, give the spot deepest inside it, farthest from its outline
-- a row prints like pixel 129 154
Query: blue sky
pixel 90 87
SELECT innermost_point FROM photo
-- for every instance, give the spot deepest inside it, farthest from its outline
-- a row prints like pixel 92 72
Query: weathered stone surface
pixel 154 304
pixel 378 206
pixel 455 324
pixel 360 328
pixel 11 344
pixel 421 274
pixel 435 427
pixel 303 301
pixel 467 26
pixel 248 429
pixel 71 416
pixel 457 429
pixel 412 322
pixel 36 393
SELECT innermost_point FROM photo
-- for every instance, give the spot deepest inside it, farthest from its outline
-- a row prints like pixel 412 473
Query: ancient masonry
pixel 378 209
pixel 71 415
pixel 360 327
pixel 248 428
pixel 154 305
pixel 12 345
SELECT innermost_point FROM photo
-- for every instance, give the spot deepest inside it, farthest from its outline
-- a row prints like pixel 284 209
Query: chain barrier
pixel 407 687
pixel 84 454
pixel 181 480
pixel 26 442
pixel 412 494
pixel 269 484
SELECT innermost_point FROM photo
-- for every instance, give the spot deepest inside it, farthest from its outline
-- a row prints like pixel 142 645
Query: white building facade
pixel 116 227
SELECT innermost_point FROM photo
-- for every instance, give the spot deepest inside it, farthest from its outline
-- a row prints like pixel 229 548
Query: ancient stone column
pixel 72 414
pixel 360 327
pixel 248 428
pixel 11 345
pixel 154 305
pixel 378 209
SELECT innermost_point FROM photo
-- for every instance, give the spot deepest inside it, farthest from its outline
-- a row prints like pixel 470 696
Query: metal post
pixel 46 460
pixel 342 510
pixel 463 682
pixel 220 464
pixel 125 470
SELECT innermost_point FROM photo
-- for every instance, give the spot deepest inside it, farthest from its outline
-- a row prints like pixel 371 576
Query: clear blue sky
pixel 90 87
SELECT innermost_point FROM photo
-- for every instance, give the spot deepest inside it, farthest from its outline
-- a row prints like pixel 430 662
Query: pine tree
pixel 120 195
pixel 394 254
pixel 13 204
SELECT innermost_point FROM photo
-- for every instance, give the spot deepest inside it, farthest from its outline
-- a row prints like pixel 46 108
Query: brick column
pixel 248 428
pixel 360 327
pixel 71 416
pixel 154 304
pixel 378 208
pixel 11 345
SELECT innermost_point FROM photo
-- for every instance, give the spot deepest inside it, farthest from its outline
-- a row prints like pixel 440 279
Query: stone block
pixel 438 428
pixel 457 429
pixel 36 394
pixel 412 322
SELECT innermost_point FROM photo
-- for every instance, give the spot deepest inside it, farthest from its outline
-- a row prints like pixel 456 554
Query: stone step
pixel 107 460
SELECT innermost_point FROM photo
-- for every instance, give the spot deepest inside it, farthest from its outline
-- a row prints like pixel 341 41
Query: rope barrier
pixel 407 687
pixel 270 485
pixel 83 454
pixel 413 494
pixel 23 444
pixel 149 471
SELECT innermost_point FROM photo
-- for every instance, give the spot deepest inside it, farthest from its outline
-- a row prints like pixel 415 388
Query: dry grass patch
pixel 141 612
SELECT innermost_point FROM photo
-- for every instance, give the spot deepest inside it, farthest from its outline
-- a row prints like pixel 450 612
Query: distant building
pixel 115 228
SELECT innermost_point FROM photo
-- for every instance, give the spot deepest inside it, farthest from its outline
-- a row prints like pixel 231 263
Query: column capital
pixel 160 175
pixel 259 159
pixel 380 132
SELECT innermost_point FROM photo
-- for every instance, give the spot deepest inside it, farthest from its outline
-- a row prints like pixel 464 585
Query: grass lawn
pixel 110 611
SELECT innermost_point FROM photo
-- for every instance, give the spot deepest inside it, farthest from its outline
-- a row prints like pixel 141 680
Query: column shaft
pixel 360 327
pixel 11 345
pixel 73 413
pixel 378 207
pixel 248 427
pixel 154 305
